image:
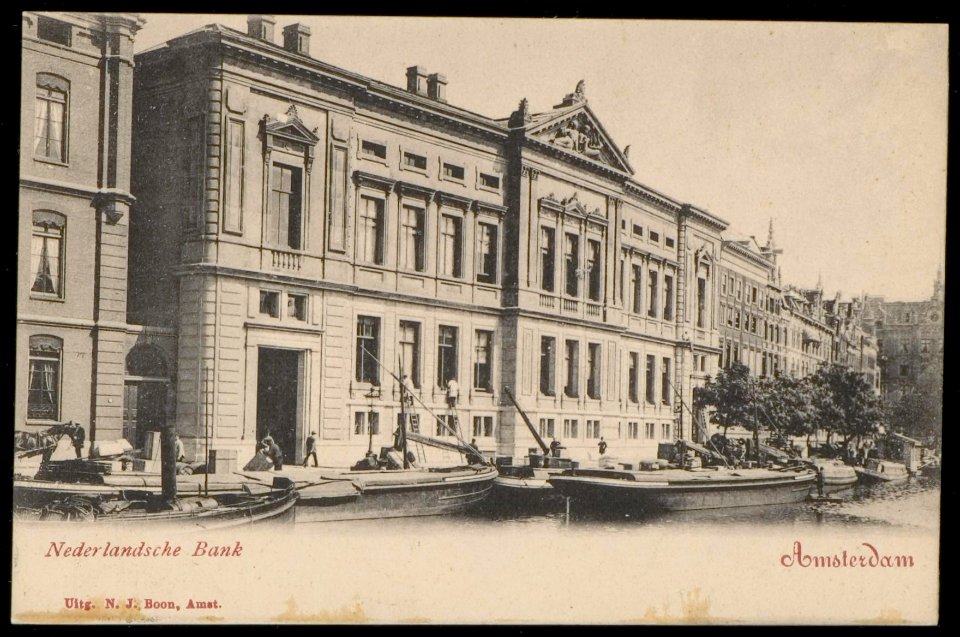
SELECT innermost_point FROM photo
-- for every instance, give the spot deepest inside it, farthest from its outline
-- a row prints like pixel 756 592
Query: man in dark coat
pixel 273 452
pixel 602 445
pixel 79 437
pixel 311 451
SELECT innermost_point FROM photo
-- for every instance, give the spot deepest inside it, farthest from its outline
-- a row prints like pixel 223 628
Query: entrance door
pixel 278 385
pixel 143 410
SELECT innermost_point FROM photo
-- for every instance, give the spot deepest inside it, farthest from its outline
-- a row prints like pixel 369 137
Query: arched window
pixel 46 254
pixel 147 361
pixel 43 396
pixel 51 118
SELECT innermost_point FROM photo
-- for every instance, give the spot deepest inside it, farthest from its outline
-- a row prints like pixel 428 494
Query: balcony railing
pixel 547 301
pixel 286 260
pixel 569 305
pixel 592 309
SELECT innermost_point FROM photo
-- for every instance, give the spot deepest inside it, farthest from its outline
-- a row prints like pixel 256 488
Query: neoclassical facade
pixel 312 235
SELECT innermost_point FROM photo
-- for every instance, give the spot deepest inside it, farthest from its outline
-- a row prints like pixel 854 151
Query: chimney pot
pixel 437 87
pixel 260 26
pixel 296 38
pixel 417 80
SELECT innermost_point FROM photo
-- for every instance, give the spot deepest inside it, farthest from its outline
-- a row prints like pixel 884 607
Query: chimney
pixel 260 26
pixel 296 38
pixel 437 87
pixel 417 80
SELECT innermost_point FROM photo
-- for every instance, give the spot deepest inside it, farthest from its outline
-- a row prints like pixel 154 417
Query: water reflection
pixel 911 504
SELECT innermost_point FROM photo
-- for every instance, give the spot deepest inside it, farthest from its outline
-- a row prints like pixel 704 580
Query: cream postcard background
pixel 444 571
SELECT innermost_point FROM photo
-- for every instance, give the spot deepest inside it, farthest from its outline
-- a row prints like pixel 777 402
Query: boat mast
pixel 526 419
pixel 403 417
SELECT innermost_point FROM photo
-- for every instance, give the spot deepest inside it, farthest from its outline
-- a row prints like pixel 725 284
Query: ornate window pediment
pixel 288 133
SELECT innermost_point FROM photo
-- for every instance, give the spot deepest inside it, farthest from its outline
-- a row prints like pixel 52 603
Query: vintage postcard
pixel 329 319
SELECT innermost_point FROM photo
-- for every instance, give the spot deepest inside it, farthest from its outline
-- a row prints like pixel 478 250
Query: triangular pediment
pixel 290 126
pixel 576 130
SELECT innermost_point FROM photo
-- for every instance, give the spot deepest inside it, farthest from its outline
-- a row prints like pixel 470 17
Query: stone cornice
pixel 484 206
pixel 743 251
pixel 651 196
pixel 446 198
pixel 576 158
pixel 703 216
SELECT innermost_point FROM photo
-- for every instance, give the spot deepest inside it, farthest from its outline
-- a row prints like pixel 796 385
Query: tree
pixel 844 403
pixel 916 413
pixel 731 396
pixel 787 405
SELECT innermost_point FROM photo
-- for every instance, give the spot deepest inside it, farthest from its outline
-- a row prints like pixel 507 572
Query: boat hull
pixel 615 494
pixel 362 495
pixel 235 509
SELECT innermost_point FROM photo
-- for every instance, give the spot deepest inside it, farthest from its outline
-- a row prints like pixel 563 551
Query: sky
pixel 837 132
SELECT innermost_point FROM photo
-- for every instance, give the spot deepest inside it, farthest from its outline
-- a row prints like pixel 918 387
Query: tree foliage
pixel 844 403
pixel 787 404
pixel 916 413
pixel 731 396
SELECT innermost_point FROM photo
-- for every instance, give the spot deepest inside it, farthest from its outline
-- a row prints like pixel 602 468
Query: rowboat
pixel 683 489
pixel 882 471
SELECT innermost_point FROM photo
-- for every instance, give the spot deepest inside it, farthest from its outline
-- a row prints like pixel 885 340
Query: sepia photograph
pixel 426 320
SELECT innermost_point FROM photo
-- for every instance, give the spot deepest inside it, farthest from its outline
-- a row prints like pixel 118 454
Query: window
pixel 452 171
pixel 270 303
pixel 904 370
pixel 53 30
pixel 411 243
pixel 284 216
pixel 637 230
pixel 547 346
pixel 491 182
pixel 633 380
pixel 593 429
pixel 665 431
pixel 50 123
pixel 654 236
pixel 633 430
pixel 753 295
pixel 651 379
pixel 594 269
pixel 665 385
pixel 648 430
pixel 409 340
pixel 373 149
pixel 416 162
pixel 446 425
pixel 337 214
pixel 487 253
pixel 43 394
pixel 451 246
pixel 925 345
pixel 593 370
pixel 370 241
pixel 637 289
pixel 753 324
pixel 297 306
pixel 904 348
pixel 701 301
pixel 366 423
pixel 483 426
pixel 571 428
pixel 571 362
pixel 547 251
pixel 233 177
pixel 739 290
pixel 652 294
pixel 723 284
pixel 482 377
pixel 46 254
pixel 571 258
pixel 669 242
pixel 446 355
pixel 736 322
pixel 368 350
pixel 667 297
pixel 547 429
